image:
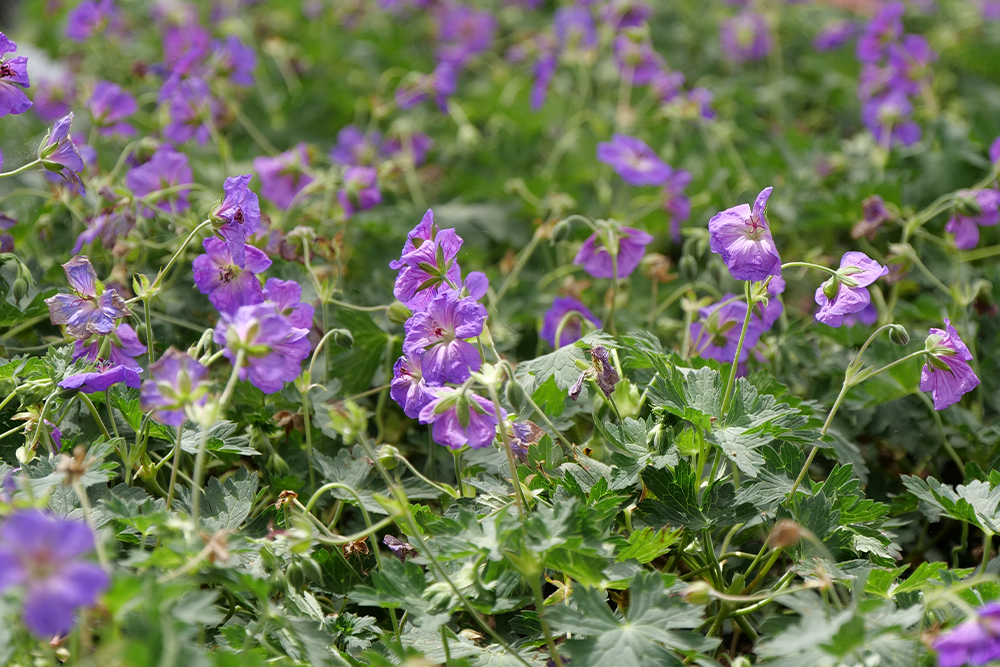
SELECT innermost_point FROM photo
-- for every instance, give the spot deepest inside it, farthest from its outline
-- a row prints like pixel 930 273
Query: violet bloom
pixel 676 203
pixel 544 71
pixel 767 315
pixel 622 14
pixel 441 83
pixel 108 227
pixel 847 291
pixel 283 176
pixel 865 317
pixel 105 375
pixel 463 32
pixel 745 37
pixel 190 106
pixel 167 168
pixel 428 265
pixel 910 63
pixel 360 191
pixel 457 422
pixel 60 155
pixel 995 151
pixel 286 296
pixel 947 373
pixel 667 86
pixel 717 334
pixel 185 44
pixel 125 346
pixel 354 147
pixel 239 214
pixel 633 160
pixel 875 213
pixel 884 28
pixel 53 96
pixel 273 348
pixel 178 381
pixel 425 231
pixel 637 60
pixel 834 35
pixel 109 106
pixel 91 309
pixel 419 145
pixel 228 286
pixel 574 28
pixel 236 60
pixel 699 102
pixel 743 238
pixel 975 641
pixel 408 387
pixel 44 554
pixel 89 17
pixel 975 209
pixel 440 332
pixel 13 79
pixel 570 313
pixel 595 259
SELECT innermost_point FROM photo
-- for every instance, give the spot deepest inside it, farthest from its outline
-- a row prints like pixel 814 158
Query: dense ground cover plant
pixel 509 332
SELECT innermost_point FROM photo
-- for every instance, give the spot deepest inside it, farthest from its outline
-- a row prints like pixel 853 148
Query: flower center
pixel 755 228
pixel 238 216
pixel 6 71
pixel 227 274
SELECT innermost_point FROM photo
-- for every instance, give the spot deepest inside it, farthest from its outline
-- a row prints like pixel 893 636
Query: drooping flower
pixel 190 105
pixel 59 154
pixel 569 312
pixel 43 554
pixel 975 641
pixel 745 37
pixel 104 375
pixel 108 226
pixel 354 148
pixel 834 34
pixel 463 32
pixel 125 346
pixel 90 17
pixel 875 213
pixel 975 209
pixel 910 62
pixel 283 176
pixel 884 28
pixel 228 285
pixel 178 382
pixel 633 160
pixel 595 258
pixel 847 292
pixel 522 436
pixel 13 79
pixel 109 106
pixel 769 314
pixel 428 270
pixel 167 168
pixel 676 203
pixel 601 371
pixel 53 95
pixel 717 334
pixel 888 117
pixel 239 214
pixel 286 295
pixel 235 60
pixel 947 373
pixel 408 387
pixel 460 418
pixel 743 238
pixel 360 191
pixel 91 309
pixel 273 348
pixel 439 332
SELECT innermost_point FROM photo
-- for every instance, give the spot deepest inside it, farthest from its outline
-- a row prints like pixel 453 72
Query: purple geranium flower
pixel 544 70
pixel 637 59
pixel 355 148
pixel 166 169
pixel 888 117
pixel 125 346
pixel 441 83
pixel 596 260
pixel 185 43
pixel 360 191
pixel 847 292
pixel 286 295
pixel 60 155
pixel 425 231
pixel 283 176
pixel 108 226
pixel 866 317
pixel 91 309
pixel 743 238
pixel 633 160
pixel 419 145
pixel 910 63
pixel 43 554
pixel 883 29
pixel 622 14
pixel 976 208
pixel 460 418
pixel 13 79
pixel 429 270
pixel 105 375
pixel 874 214
pixel 834 35
pixel 699 103
pixel 440 332
pixel 975 641
pixel 178 381
pixel 574 28
pixel 190 105
pixel 995 151
pixel 570 312
pixel 745 37
pixel 676 203
pixel 90 17
pixel 228 286
pixel 408 388
pixel 947 374
pixel 463 32
pixel 236 60
pixel 52 96
pixel 239 214
pixel 717 334
pixel 109 105
pixel 274 349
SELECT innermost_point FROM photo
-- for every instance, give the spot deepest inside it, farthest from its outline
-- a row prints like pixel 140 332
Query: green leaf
pixel 550 398
pixel 356 366
pixel 646 544
pixel 677 503
pixel 975 502
pixel 220 438
pixel 227 504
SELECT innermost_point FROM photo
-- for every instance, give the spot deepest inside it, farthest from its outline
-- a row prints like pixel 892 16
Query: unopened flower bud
pixel 785 533
pixel 898 335
pixel 296 578
pixel 698 593
pixel 20 288
pixel 398 313
pixel 688 267
pixel 830 288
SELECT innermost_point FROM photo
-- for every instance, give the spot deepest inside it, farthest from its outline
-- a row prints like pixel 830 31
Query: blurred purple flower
pixel 847 292
pixel 596 260
pixel 190 105
pixel 53 95
pixel 177 382
pixel 883 29
pixel 667 86
pixel 463 32
pixel 425 231
pixel 745 37
pixel 60 155
pixel 457 422
pixel 995 151
pixel 866 317
pixel 975 209
pixel 125 346
pixel 946 373
pixel 910 63
pixel 109 106
pixel 544 70
pixel 875 213
pixel 408 387
pixel 743 238
pixel 570 310
pixel 633 160
pixel 360 191
pixel 227 285
pixel 767 315
pixel 90 17
pixel 239 214
pixel 91 309
pixel 13 79
pixel 717 334
pixel 676 203
pixel 420 144
pixel 622 14
pixel 185 44
pixel 439 332
pixel 700 99
pixel 236 60
pixel 636 58
pixel 574 28
pixel 283 176
pixel 286 295
pixel 43 553
pixel 354 147
pixel 274 348
pixel 105 375
pixel 834 35
pixel 108 226
pixel 975 641
pixel 441 83
pixel 167 168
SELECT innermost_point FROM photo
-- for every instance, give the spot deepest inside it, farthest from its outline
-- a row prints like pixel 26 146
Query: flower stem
pixel 176 464
pixel 150 355
pixel 536 588
pixel 33 163
pixel 81 493
pixel 505 437
pixel 173 259
pixel 731 382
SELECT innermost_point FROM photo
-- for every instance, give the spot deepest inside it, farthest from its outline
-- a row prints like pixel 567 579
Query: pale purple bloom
pixel 228 286
pixel 847 292
pixel 108 226
pixel 408 387
pixel 13 79
pixel 745 37
pixel 472 422
pixel 463 32
pixel 286 295
pixel 875 213
pixel 52 97
pixel 429 270
pixel 991 10
pixel 636 58
pixel 633 160
pixel 522 436
pixel 105 375
pixel 178 381
pixel 621 14
pixel 743 238
pixel 883 29
pixel 43 554
pixel 717 334
pixel 90 17
pixel 441 83
pixel 910 63
pixel 570 310
pixel 574 28
pixel 601 371
pixel 866 317
pixel 283 176
pixel 185 44
pixel 700 99
pixel 975 641
pixel 190 106
pixel 947 374
pixel 595 259
pixel 995 151
pixel 676 203
pixel 109 106
pixel 440 331
pixel 236 60
pixel 544 70
pixel 274 348
pixel 240 215
pixel 60 155
pixel 425 231
pixel 981 208
pixel 125 346
pixel 354 147
pixel 420 144
pixel 834 35
pixel 477 284
pixel 767 315
pixel 165 169
pixel 360 191
pixel 667 85
pixel 91 309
